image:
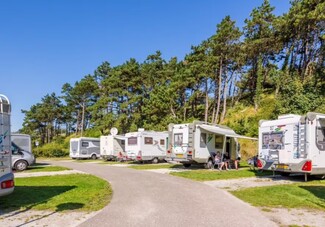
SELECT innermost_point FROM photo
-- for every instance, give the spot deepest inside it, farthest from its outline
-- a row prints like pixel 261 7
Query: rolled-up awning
pixel 119 137
pixel 224 131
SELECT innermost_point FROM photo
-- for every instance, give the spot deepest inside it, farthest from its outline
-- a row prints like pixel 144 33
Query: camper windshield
pixel 132 141
pixel 273 140
pixel 178 139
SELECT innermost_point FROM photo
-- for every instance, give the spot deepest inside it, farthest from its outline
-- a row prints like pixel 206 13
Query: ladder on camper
pixel 302 139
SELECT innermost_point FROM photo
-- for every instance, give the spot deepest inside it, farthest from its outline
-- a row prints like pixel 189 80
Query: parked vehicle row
pixel 290 144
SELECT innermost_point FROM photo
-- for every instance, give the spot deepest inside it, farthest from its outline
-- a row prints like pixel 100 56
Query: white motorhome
pixel 293 144
pixel 84 147
pixel 6 175
pixel 146 145
pixel 112 147
pixel 198 142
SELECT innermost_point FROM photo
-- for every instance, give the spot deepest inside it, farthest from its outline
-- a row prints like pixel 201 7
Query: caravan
pixel 293 144
pixel 146 145
pixel 112 147
pixel 84 147
pixel 198 142
pixel 6 175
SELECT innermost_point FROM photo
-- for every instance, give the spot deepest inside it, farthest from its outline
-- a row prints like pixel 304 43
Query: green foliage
pixel 51 150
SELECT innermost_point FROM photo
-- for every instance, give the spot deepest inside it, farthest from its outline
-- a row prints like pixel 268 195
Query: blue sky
pixel 44 44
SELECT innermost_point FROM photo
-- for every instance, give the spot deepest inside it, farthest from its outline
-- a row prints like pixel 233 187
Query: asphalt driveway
pixel 143 198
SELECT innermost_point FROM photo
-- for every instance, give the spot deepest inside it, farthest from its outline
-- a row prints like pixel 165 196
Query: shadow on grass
pixel 26 197
pixel 317 191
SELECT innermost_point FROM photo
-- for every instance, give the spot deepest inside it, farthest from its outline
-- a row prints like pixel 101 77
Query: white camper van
pixel 84 147
pixel 112 147
pixel 146 145
pixel 293 144
pixel 6 175
pixel 198 142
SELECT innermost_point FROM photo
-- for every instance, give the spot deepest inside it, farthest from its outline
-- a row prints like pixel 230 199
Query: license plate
pixel 282 166
pixel 179 155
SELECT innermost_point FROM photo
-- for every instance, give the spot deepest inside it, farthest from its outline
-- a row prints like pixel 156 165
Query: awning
pixel 119 137
pixel 224 131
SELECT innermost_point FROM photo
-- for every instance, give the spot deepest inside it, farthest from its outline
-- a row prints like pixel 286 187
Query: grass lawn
pixel 156 166
pixel 207 175
pixel 58 193
pixel 308 195
pixel 44 168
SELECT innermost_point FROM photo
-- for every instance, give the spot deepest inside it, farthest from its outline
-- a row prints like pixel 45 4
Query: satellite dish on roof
pixel 114 131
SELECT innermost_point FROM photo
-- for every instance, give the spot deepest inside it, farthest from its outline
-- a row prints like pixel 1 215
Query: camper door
pixel 180 140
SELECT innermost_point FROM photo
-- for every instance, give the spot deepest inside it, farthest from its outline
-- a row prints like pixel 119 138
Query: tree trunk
pixel 206 101
pixel 219 92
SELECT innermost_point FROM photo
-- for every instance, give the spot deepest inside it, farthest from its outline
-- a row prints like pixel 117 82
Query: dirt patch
pixel 44 218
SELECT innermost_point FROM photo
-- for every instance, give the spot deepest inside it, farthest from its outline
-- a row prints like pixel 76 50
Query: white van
pixel 146 145
pixel 112 147
pixel 6 175
pixel 293 144
pixel 84 147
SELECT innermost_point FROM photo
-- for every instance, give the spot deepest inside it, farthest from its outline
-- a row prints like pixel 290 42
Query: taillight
pixel 7 184
pixel 259 163
pixel 306 166
pixel 190 152
pixel 139 157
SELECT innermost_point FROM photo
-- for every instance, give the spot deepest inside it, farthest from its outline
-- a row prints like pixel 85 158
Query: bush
pixel 51 150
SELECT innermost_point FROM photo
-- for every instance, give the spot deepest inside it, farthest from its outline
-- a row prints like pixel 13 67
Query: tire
pixel 155 161
pixel 186 165
pixel 21 165
pixel 93 157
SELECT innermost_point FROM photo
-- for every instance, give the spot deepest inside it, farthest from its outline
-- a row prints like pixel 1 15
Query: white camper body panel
pixel 198 142
pixel 84 147
pixel 112 147
pixel 293 144
pixel 6 175
pixel 146 145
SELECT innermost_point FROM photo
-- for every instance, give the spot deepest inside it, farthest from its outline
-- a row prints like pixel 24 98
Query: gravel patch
pixel 53 173
pixel 29 218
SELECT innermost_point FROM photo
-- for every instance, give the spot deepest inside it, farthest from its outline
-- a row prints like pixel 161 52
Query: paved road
pixel 143 198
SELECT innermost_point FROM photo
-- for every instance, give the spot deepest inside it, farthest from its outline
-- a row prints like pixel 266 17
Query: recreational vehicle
pixel 112 147
pixel 6 175
pixel 84 147
pixel 198 142
pixel 21 148
pixel 293 144
pixel 146 145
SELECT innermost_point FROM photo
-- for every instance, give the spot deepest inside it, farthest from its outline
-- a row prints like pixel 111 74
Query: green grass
pixel 44 168
pixel 58 193
pixel 208 175
pixel 307 195
pixel 156 166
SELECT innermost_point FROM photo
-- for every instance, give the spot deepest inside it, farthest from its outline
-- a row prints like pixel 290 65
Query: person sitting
pixel 225 161
pixel 236 161
pixel 217 160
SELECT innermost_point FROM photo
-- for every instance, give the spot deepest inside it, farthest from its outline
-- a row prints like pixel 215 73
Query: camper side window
pixel 148 140
pixel 219 142
pixel 132 141
pixel 203 140
pixel 178 139
pixel 320 138
pixel 85 144
pixel 162 142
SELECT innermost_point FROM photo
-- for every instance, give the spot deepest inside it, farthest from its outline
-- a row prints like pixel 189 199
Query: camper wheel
pixel 93 156
pixel 155 160
pixel 186 165
pixel 21 165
